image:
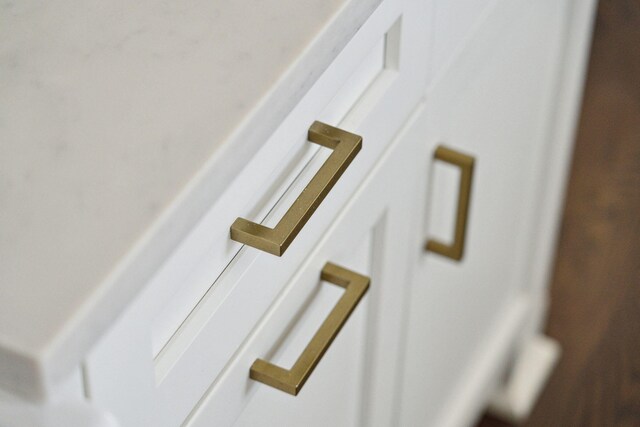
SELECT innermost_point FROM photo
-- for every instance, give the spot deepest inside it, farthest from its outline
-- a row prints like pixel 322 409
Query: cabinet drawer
pixel 177 336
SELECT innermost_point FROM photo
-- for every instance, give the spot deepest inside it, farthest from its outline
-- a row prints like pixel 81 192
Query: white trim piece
pixel 514 401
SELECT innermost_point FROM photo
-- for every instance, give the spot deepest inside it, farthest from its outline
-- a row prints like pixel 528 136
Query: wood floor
pixel 595 311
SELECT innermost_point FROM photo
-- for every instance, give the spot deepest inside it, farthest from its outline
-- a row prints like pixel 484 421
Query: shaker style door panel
pixel 485 127
pixel 333 393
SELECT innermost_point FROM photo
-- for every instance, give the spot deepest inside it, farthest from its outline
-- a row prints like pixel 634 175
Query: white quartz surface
pixel 114 117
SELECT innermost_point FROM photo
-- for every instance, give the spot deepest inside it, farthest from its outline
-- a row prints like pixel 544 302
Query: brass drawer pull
pixel 465 163
pixel 292 380
pixel 276 240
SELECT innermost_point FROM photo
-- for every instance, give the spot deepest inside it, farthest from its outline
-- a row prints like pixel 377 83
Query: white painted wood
pixel 166 389
pixel 555 159
pixel 71 389
pixel 454 22
pixel 68 415
pixel 492 102
pixel 334 393
pixel 482 374
pixel 66 410
pixel 66 405
pixel 514 399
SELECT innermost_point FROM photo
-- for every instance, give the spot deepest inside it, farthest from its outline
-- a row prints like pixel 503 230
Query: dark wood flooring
pixel 595 294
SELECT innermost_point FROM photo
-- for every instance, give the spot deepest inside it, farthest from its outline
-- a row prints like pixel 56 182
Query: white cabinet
pixel 433 335
pixel 494 103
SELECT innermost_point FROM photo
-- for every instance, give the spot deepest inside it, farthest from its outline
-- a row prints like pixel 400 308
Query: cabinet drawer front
pixel 177 336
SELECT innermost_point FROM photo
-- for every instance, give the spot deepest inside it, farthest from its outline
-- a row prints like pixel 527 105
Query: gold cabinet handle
pixel 292 380
pixel 276 240
pixel 465 163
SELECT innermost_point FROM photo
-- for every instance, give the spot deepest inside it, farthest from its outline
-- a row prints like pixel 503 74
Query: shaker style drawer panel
pixel 194 314
pixel 333 393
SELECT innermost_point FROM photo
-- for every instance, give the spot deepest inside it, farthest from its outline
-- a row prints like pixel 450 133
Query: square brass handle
pixel 276 240
pixel 466 164
pixel 292 380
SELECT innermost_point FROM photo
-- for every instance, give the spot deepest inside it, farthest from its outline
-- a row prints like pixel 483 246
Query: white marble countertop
pixel 114 119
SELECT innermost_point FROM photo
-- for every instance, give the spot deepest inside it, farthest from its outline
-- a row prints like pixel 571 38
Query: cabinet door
pixel 354 382
pixel 333 394
pixel 492 104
